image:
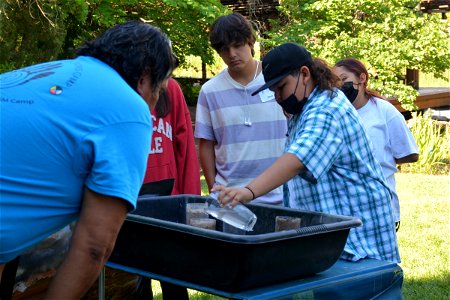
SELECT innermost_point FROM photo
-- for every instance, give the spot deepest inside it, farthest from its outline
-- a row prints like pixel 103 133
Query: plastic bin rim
pixel 347 222
pixel 205 198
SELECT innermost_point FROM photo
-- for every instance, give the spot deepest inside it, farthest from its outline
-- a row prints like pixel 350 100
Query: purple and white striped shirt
pixel 250 131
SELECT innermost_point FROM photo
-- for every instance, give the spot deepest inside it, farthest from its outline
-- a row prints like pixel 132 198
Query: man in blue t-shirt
pixel 74 144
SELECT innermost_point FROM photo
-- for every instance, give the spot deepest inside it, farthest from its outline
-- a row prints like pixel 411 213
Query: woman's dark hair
pixel 163 106
pixel 356 67
pixel 134 49
pixel 231 29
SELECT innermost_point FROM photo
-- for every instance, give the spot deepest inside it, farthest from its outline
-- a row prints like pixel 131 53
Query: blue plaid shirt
pixel 342 174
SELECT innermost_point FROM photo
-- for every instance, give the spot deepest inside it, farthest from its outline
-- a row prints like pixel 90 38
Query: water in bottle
pixel 240 216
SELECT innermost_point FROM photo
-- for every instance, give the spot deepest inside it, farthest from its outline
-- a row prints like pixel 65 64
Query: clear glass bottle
pixel 240 216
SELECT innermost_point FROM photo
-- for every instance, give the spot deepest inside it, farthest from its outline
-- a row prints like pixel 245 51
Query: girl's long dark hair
pixel 322 75
pixel 163 106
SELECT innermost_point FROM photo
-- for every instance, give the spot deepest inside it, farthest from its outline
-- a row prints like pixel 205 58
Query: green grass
pixel 428 80
pixel 423 237
pixel 204 186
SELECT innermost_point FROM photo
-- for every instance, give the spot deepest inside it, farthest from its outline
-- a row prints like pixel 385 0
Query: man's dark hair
pixel 134 49
pixel 231 29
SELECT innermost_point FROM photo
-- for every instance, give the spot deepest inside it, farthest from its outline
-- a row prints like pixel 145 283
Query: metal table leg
pixel 8 279
pixel 101 285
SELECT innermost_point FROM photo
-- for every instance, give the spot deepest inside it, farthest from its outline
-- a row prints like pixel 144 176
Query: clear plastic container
pixel 240 216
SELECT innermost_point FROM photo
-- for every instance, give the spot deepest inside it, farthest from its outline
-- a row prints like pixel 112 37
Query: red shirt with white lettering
pixel 173 154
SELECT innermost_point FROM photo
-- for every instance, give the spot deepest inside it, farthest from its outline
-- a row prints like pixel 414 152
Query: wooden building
pixel 258 11
pixel 437 99
pixel 435 6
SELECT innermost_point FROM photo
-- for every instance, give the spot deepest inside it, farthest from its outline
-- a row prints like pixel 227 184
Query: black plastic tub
pixel 155 239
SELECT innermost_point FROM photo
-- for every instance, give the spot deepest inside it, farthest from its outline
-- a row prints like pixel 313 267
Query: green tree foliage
pixel 186 22
pixel 389 36
pixel 433 139
pixel 33 31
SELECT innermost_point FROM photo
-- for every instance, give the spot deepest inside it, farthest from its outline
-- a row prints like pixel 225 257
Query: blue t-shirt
pixel 65 125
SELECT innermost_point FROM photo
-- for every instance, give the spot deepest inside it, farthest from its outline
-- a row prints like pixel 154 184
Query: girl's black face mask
pixel 350 92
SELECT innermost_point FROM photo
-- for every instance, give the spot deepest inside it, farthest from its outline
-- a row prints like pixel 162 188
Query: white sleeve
pixel 401 138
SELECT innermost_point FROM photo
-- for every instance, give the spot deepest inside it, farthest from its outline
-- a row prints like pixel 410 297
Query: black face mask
pixel 291 105
pixel 350 92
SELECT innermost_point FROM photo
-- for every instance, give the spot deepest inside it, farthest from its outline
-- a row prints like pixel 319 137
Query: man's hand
pixel 92 243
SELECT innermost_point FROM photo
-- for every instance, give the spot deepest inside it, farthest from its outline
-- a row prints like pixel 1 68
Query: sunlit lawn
pixel 424 235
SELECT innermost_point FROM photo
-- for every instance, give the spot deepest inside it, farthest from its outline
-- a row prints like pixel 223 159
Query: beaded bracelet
pixel 253 194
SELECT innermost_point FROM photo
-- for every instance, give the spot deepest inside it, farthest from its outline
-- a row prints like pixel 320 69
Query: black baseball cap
pixel 281 61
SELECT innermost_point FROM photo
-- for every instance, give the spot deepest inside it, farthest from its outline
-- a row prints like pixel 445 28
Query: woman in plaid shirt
pixel 328 165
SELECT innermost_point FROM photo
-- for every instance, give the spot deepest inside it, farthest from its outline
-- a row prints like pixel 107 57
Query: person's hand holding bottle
pixel 233 195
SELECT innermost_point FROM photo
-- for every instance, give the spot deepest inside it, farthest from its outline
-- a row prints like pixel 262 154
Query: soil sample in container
pixel 205 223
pixel 195 210
pixel 286 223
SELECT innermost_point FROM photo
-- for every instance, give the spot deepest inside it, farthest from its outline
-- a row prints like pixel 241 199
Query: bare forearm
pixel 92 242
pixel 208 161
pixel 284 168
pixel 76 275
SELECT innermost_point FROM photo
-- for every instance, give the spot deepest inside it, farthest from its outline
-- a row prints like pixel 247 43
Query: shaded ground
pixel 118 285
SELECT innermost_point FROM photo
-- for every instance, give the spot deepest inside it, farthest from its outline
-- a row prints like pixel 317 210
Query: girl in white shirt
pixel 392 141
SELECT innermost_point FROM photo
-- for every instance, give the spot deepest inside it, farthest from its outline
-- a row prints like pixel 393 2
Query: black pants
pixel 144 288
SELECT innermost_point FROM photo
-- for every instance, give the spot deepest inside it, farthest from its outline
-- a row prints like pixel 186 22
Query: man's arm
pixel 91 245
pixel 207 161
